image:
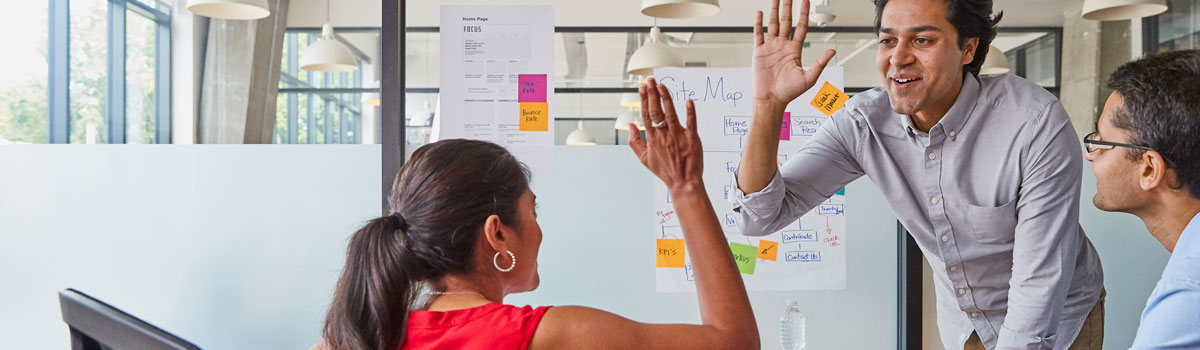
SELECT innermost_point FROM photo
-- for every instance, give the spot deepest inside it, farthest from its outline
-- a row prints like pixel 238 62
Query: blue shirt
pixel 1172 316
pixel 990 194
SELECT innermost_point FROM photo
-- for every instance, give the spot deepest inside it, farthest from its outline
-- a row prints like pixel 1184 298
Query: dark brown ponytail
pixel 440 198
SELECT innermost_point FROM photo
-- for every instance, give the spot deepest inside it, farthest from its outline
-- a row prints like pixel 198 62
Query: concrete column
pixel 241 78
pixel 1092 50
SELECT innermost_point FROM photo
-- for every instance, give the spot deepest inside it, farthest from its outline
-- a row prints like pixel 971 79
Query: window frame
pixel 59 60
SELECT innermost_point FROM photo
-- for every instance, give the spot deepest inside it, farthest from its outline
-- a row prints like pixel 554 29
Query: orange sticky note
pixel 829 99
pixel 767 250
pixel 535 116
pixel 670 253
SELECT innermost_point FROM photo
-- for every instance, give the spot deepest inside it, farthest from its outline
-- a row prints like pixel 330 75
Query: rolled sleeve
pixel 823 165
pixel 1047 237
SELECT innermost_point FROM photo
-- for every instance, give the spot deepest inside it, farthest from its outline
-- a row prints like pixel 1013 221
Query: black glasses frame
pixel 1091 144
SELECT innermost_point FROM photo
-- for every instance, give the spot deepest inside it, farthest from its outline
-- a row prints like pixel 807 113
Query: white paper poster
pixel 497 79
pixel 808 254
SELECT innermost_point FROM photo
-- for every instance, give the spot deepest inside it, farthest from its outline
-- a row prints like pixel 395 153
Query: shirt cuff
pixel 756 205
pixel 1010 339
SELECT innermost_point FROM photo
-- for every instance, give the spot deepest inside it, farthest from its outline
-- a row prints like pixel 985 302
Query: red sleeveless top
pixel 491 326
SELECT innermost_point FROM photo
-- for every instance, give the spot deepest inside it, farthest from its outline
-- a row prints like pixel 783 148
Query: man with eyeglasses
pixel 1146 156
pixel 984 172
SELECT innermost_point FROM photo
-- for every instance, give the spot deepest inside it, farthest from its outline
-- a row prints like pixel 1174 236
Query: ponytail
pixel 446 191
pixel 375 291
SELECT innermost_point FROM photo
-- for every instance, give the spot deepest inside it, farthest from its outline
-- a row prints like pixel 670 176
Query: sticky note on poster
pixel 745 256
pixel 785 132
pixel 767 250
pixel 829 99
pixel 670 253
pixel 531 88
pixel 535 116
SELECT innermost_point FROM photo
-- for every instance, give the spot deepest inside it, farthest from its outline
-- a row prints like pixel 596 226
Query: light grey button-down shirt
pixel 990 194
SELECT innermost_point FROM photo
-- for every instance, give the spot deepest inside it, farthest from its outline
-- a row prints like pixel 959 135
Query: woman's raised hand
pixel 671 151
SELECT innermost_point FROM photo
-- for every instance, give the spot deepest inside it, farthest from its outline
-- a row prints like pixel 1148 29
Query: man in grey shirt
pixel 984 172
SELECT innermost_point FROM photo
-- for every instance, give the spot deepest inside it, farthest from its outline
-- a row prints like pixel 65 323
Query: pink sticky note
pixel 532 88
pixel 785 133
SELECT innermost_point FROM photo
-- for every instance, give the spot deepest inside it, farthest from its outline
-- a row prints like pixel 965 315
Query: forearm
pixel 762 146
pixel 719 287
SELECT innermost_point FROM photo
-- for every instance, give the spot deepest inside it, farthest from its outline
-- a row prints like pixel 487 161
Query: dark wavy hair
pixel 444 194
pixel 971 19
pixel 1161 110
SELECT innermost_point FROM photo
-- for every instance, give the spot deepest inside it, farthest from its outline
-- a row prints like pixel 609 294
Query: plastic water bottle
pixel 791 327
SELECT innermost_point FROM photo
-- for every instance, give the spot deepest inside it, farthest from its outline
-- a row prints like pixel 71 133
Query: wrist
pixel 772 106
pixel 686 189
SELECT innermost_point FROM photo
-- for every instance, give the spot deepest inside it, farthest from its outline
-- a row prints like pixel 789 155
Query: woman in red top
pixel 464 235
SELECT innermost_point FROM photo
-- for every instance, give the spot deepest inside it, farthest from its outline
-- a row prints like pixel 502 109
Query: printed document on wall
pixel 810 252
pixel 497 79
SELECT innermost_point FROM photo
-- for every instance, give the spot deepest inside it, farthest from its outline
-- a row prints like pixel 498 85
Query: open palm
pixel 778 73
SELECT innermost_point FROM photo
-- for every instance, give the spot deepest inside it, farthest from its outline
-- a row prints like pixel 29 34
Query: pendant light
pixel 995 63
pixel 631 100
pixel 1116 10
pixel 328 54
pixel 653 54
pixel 230 9
pixel 630 116
pixel 580 137
pixel 680 8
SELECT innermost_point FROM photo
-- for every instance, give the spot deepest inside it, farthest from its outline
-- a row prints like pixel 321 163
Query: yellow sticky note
pixel 767 250
pixel 670 253
pixel 535 116
pixel 829 99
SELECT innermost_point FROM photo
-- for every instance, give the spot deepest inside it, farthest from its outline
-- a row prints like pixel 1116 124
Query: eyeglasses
pixel 1091 144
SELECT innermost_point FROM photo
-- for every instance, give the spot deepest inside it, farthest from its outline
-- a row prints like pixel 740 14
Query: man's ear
pixel 1154 170
pixel 969 48
pixel 493 233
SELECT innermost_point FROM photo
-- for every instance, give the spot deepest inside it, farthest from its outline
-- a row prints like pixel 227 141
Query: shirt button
pixel 935 200
pixel 945 238
pixel 932 156
pixel 974 314
pixel 951 133
pixel 954 268
pixel 962 291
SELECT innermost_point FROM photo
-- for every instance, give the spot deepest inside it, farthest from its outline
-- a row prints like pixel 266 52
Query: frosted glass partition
pixel 597 221
pixel 229 247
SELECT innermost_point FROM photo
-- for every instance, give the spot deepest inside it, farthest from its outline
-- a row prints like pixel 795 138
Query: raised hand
pixel 779 76
pixel 672 152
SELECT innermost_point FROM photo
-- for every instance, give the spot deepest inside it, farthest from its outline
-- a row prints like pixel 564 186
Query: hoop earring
pixel 497 263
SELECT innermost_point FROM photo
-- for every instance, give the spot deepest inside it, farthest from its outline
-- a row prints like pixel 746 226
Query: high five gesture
pixel 779 76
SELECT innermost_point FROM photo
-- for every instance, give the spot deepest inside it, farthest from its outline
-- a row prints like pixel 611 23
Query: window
pixel 326 108
pixel 98 72
pixel 1176 29
pixel 23 92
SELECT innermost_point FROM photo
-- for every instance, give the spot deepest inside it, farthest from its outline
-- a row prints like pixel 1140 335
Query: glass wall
pixel 590 68
pixel 327 107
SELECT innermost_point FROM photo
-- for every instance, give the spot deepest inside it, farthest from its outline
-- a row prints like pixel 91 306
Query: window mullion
pixel 59 51
pixel 162 81
pixel 115 111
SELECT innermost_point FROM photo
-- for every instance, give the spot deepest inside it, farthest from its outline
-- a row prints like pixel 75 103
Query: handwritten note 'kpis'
pixel 829 99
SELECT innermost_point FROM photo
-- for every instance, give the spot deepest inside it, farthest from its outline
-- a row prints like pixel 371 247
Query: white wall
pixel 229 247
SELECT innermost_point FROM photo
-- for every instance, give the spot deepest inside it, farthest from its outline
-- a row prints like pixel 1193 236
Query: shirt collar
pixel 1187 242
pixel 955 118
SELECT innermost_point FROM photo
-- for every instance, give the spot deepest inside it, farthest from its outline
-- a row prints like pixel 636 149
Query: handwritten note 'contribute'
pixel 829 99
pixel 535 116
pixel 767 250
pixel 745 256
pixel 670 253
